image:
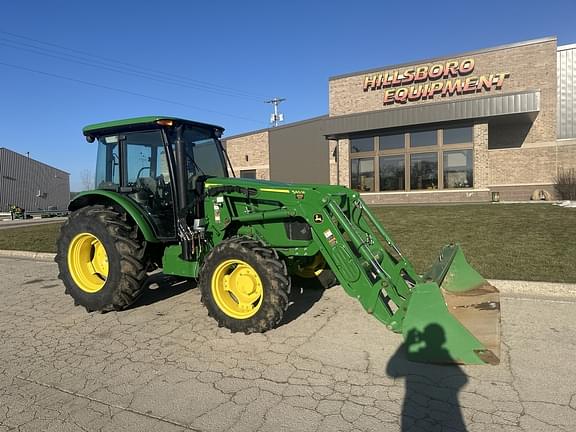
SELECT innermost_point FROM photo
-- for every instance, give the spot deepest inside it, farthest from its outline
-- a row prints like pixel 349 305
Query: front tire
pixel 244 286
pixel 102 262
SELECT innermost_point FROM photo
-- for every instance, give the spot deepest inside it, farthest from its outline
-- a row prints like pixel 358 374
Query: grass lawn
pixel 37 238
pixel 502 241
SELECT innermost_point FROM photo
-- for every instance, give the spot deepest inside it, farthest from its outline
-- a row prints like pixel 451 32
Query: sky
pixel 67 64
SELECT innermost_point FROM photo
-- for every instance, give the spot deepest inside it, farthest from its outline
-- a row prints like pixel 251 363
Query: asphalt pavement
pixel 163 365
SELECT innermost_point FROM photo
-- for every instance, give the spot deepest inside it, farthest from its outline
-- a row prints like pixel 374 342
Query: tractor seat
pixel 147 184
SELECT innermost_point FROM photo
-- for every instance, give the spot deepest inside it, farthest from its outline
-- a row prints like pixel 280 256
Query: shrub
pixel 565 184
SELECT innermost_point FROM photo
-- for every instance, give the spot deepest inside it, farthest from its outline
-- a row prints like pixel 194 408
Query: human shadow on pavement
pixel 159 287
pixel 431 400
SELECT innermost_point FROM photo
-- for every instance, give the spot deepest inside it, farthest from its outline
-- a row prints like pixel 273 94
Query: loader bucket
pixel 454 315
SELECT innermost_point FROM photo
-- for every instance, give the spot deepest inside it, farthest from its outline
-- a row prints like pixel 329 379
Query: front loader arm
pixel 369 269
pixel 451 314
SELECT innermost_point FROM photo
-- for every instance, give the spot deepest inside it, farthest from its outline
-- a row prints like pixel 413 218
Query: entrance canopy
pixel 522 104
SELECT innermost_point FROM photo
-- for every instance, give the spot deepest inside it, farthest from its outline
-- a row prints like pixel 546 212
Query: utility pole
pixel 276 117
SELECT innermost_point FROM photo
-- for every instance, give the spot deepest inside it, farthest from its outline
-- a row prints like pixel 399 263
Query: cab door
pixel 147 180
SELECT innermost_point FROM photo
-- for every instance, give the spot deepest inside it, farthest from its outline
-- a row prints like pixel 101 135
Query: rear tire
pixel 244 286
pixel 102 261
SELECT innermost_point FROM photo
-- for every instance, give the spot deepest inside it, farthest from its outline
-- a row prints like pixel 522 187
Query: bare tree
pixel 87 179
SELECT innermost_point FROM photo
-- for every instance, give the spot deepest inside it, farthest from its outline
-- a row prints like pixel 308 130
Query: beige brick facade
pixel 427 197
pixel 515 157
pixel 481 158
pixel 531 165
pixel 333 161
pixel 344 157
pixel 250 152
pixel 531 67
pixel 514 152
pixel 566 154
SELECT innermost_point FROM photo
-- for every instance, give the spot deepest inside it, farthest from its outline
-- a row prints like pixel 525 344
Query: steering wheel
pixel 140 171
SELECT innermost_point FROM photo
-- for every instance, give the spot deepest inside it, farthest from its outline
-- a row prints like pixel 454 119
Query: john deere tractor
pixel 164 199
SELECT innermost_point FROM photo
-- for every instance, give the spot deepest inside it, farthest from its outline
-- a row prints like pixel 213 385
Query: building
pixel 465 128
pixel 30 184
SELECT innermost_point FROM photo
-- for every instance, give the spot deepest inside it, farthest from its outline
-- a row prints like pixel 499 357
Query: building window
pixel 391 173
pixel 248 174
pixel 423 138
pixel 360 145
pixel 362 175
pixel 458 169
pixel 389 142
pixel 433 159
pixel 424 171
pixel 459 135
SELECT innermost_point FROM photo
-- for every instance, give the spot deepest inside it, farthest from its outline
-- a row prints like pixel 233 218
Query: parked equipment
pixel 164 199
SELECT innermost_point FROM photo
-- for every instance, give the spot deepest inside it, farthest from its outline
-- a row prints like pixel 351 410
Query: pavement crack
pixel 110 405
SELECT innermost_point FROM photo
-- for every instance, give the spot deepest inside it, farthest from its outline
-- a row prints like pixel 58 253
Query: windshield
pixel 203 152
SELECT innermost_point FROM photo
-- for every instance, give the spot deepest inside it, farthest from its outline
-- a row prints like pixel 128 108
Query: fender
pixel 98 196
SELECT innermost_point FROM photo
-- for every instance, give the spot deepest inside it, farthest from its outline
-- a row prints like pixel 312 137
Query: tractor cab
pixel 159 164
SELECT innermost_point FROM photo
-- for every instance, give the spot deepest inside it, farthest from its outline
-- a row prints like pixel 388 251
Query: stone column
pixel 481 167
pixel 344 162
pixel 332 158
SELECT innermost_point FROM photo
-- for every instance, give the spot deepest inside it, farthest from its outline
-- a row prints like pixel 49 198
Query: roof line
pixel 433 59
pixel 566 47
pixel 34 160
pixel 298 123
pixel 136 121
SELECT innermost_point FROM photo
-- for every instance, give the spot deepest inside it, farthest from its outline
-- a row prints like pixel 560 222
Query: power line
pixel 131 68
pixel 92 84
pixel 35 50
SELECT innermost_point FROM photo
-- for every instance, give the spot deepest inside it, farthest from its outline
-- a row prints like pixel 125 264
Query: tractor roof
pixel 138 123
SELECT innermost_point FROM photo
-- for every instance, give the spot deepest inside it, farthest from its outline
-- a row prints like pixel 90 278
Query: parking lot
pixel 164 365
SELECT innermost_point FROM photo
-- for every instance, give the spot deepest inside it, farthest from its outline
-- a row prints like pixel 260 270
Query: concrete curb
pixel 535 289
pixel 506 287
pixel 8 224
pixel 37 256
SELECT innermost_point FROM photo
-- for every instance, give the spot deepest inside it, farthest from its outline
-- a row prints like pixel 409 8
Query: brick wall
pixel 250 152
pixel 517 173
pixel 428 197
pixel 522 193
pixel 344 161
pixel 481 159
pixel 567 154
pixel 531 67
pixel 521 166
pixel 521 157
pixel 333 164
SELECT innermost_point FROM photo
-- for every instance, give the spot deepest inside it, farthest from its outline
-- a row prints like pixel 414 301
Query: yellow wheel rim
pixel 88 262
pixel 313 269
pixel 237 289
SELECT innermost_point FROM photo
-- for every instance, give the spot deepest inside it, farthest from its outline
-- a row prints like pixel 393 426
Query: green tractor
pixel 164 199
